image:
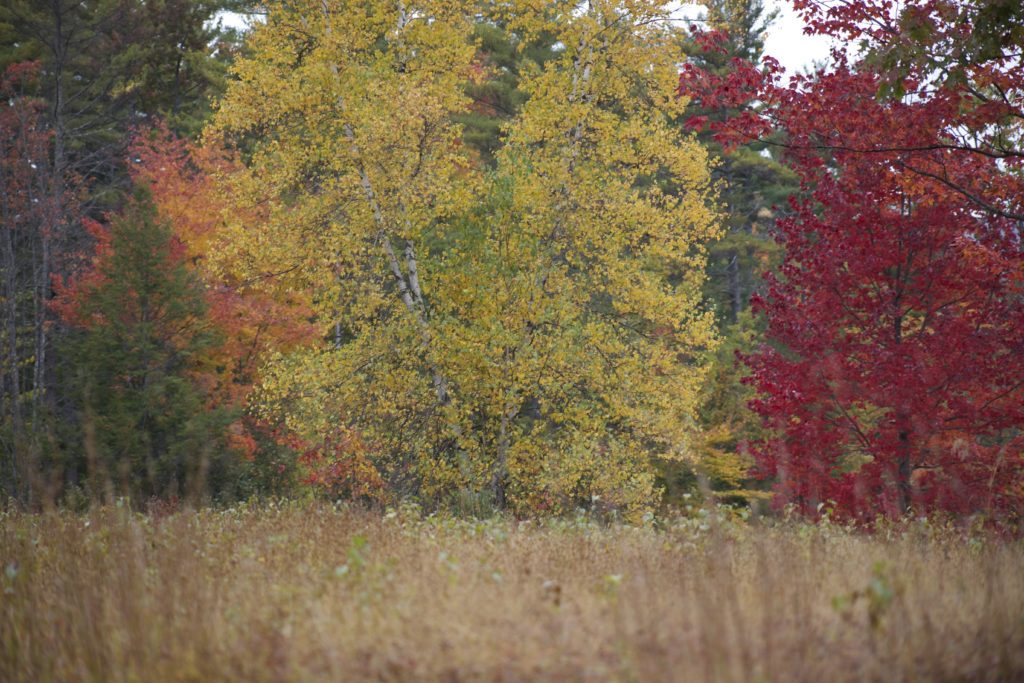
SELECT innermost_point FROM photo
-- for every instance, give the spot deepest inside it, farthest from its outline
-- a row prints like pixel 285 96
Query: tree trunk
pixel 903 467
pixel 499 477
pixel 41 289
pixel 905 449
pixel 735 290
pixel 11 374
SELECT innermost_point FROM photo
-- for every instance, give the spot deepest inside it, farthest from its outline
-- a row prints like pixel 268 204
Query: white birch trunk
pixel 408 289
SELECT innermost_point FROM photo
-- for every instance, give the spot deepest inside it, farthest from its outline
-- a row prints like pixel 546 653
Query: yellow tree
pixel 534 336
pixel 344 109
pixel 590 267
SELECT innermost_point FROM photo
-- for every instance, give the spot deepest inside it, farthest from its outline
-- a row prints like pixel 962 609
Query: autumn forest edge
pixel 516 256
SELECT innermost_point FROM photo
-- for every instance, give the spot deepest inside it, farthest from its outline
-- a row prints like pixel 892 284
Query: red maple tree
pixel 894 378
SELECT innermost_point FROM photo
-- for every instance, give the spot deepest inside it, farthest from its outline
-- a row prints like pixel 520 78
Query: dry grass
pixel 300 593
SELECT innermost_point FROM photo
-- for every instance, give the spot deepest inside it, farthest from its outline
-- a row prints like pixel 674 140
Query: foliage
pixel 340 468
pixel 967 46
pixel 30 227
pixel 251 322
pixel 502 60
pixel 893 384
pixel 538 344
pixel 752 185
pixel 140 321
pixel 352 193
pixel 900 319
pixel 254 317
pixel 722 467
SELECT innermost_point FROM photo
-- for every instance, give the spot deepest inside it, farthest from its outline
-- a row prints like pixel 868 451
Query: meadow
pixel 307 592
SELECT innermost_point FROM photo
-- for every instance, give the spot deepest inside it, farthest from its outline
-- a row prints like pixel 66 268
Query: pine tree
pixel 502 60
pixel 754 188
pixel 138 319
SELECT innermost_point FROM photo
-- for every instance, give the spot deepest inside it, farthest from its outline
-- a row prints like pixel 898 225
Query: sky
pixel 786 41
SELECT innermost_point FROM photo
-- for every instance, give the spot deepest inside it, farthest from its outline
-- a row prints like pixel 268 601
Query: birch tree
pixel 346 109
pixel 530 337
pixel 606 208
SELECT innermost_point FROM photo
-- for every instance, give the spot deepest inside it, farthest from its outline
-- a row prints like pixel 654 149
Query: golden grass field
pixel 312 593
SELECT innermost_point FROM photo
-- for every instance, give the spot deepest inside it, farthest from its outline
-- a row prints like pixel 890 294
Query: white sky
pixel 786 41
pixel 785 38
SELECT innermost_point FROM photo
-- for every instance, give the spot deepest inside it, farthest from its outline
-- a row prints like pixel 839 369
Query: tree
pixel 533 349
pixel 178 59
pixel 898 322
pixel 358 171
pixel 30 207
pixel 252 322
pixel 892 383
pixel 140 327
pixel 502 58
pixel 754 185
pixel 753 191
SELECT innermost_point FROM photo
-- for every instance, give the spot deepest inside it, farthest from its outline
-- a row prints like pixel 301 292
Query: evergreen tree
pixel 752 185
pixel 503 58
pixel 138 330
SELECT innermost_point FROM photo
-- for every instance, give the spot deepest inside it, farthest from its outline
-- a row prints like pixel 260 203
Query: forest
pixel 585 332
